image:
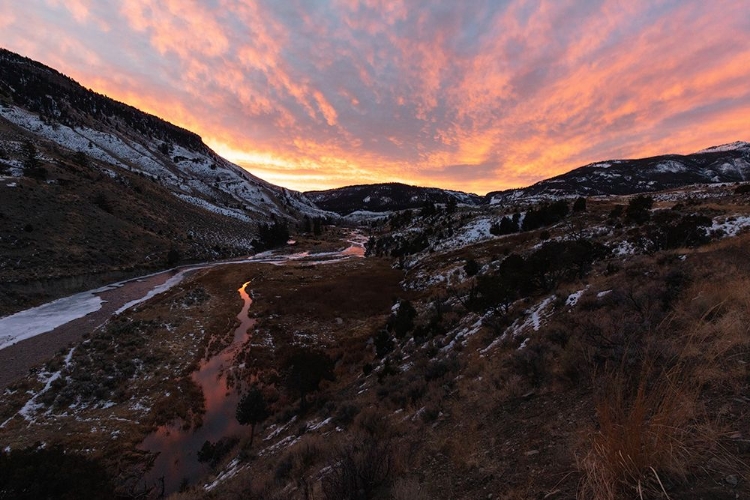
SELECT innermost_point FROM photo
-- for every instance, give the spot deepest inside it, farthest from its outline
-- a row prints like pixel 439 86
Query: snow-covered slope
pixel 54 108
pixel 725 163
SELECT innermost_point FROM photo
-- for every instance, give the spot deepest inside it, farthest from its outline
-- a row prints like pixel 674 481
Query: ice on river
pixel 47 317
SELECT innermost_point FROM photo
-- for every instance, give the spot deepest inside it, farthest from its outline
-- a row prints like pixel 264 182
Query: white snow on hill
pixel 726 147
pixel 200 177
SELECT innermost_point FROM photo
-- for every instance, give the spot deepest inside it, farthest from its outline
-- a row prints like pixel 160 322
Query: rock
pixel 731 480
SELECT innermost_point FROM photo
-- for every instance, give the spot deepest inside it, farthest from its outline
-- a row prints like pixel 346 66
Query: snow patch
pixel 47 317
pixel 173 281
pixel 573 297
pixel 730 226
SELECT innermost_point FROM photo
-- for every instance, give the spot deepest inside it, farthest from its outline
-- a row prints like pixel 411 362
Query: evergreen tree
pixel 451 206
pixel 580 204
pixel 252 410
pixel 32 166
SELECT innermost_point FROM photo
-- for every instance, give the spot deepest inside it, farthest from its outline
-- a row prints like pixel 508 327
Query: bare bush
pixel 359 470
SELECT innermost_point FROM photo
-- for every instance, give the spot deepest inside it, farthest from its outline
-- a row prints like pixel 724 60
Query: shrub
pixel 384 344
pixel 644 434
pixel 359 470
pixel 616 212
pixel 471 267
pixel 345 414
pixel 213 453
pixel 580 204
pixel 402 321
pixel 639 209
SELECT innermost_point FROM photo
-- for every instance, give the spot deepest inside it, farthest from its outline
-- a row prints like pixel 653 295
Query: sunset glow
pixel 476 96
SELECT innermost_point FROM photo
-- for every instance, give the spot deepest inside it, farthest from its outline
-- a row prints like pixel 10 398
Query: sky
pixel 476 95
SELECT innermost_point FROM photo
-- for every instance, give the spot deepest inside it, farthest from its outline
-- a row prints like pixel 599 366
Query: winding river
pixel 177 461
pixel 177 447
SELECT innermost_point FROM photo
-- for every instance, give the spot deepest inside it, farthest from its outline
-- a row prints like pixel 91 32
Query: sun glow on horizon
pixel 477 97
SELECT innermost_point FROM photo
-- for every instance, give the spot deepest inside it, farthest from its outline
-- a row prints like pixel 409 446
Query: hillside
pixel 726 163
pixel 94 190
pixel 597 352
pixel 386 198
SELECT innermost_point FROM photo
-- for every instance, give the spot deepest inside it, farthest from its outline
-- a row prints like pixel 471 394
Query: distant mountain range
pixel 726 163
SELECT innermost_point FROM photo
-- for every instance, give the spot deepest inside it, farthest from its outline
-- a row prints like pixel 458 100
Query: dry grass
pixel 655 429
pixel 643 433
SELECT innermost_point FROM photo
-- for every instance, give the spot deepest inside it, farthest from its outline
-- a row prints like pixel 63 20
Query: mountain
pixel 726 163
pixel 55 108
pixel 93 190
pixel 385 197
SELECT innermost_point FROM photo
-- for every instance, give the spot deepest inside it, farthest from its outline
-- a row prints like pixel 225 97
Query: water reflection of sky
pixel 178 448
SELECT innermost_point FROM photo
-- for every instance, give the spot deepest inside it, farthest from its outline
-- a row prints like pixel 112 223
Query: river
pixel 33 336
pixel 177 462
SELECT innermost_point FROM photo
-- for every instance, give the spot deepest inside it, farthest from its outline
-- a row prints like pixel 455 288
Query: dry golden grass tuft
pixel 661 426
pixel 644 432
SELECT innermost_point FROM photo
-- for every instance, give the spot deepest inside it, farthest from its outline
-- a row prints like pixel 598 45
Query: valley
pixel 172 326
pixel 417 372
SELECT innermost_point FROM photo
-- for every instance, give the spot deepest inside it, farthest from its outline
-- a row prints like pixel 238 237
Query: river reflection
pixel 177 462
pixel 178 448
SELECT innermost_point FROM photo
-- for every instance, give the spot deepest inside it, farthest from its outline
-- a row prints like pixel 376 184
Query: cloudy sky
pixel 471 95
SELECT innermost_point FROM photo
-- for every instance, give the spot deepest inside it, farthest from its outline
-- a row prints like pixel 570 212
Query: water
pixel 177 462
pixel 178 448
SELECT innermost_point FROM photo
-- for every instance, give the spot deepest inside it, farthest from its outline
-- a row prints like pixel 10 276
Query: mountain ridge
pixel 716 164
pixel 93 190
pixel 384 197
pixel 45 102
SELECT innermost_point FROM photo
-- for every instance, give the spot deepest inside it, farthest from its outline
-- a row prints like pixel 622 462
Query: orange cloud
pixel 475 96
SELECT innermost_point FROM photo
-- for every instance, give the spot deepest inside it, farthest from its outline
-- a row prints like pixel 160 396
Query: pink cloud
pixel 477 95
